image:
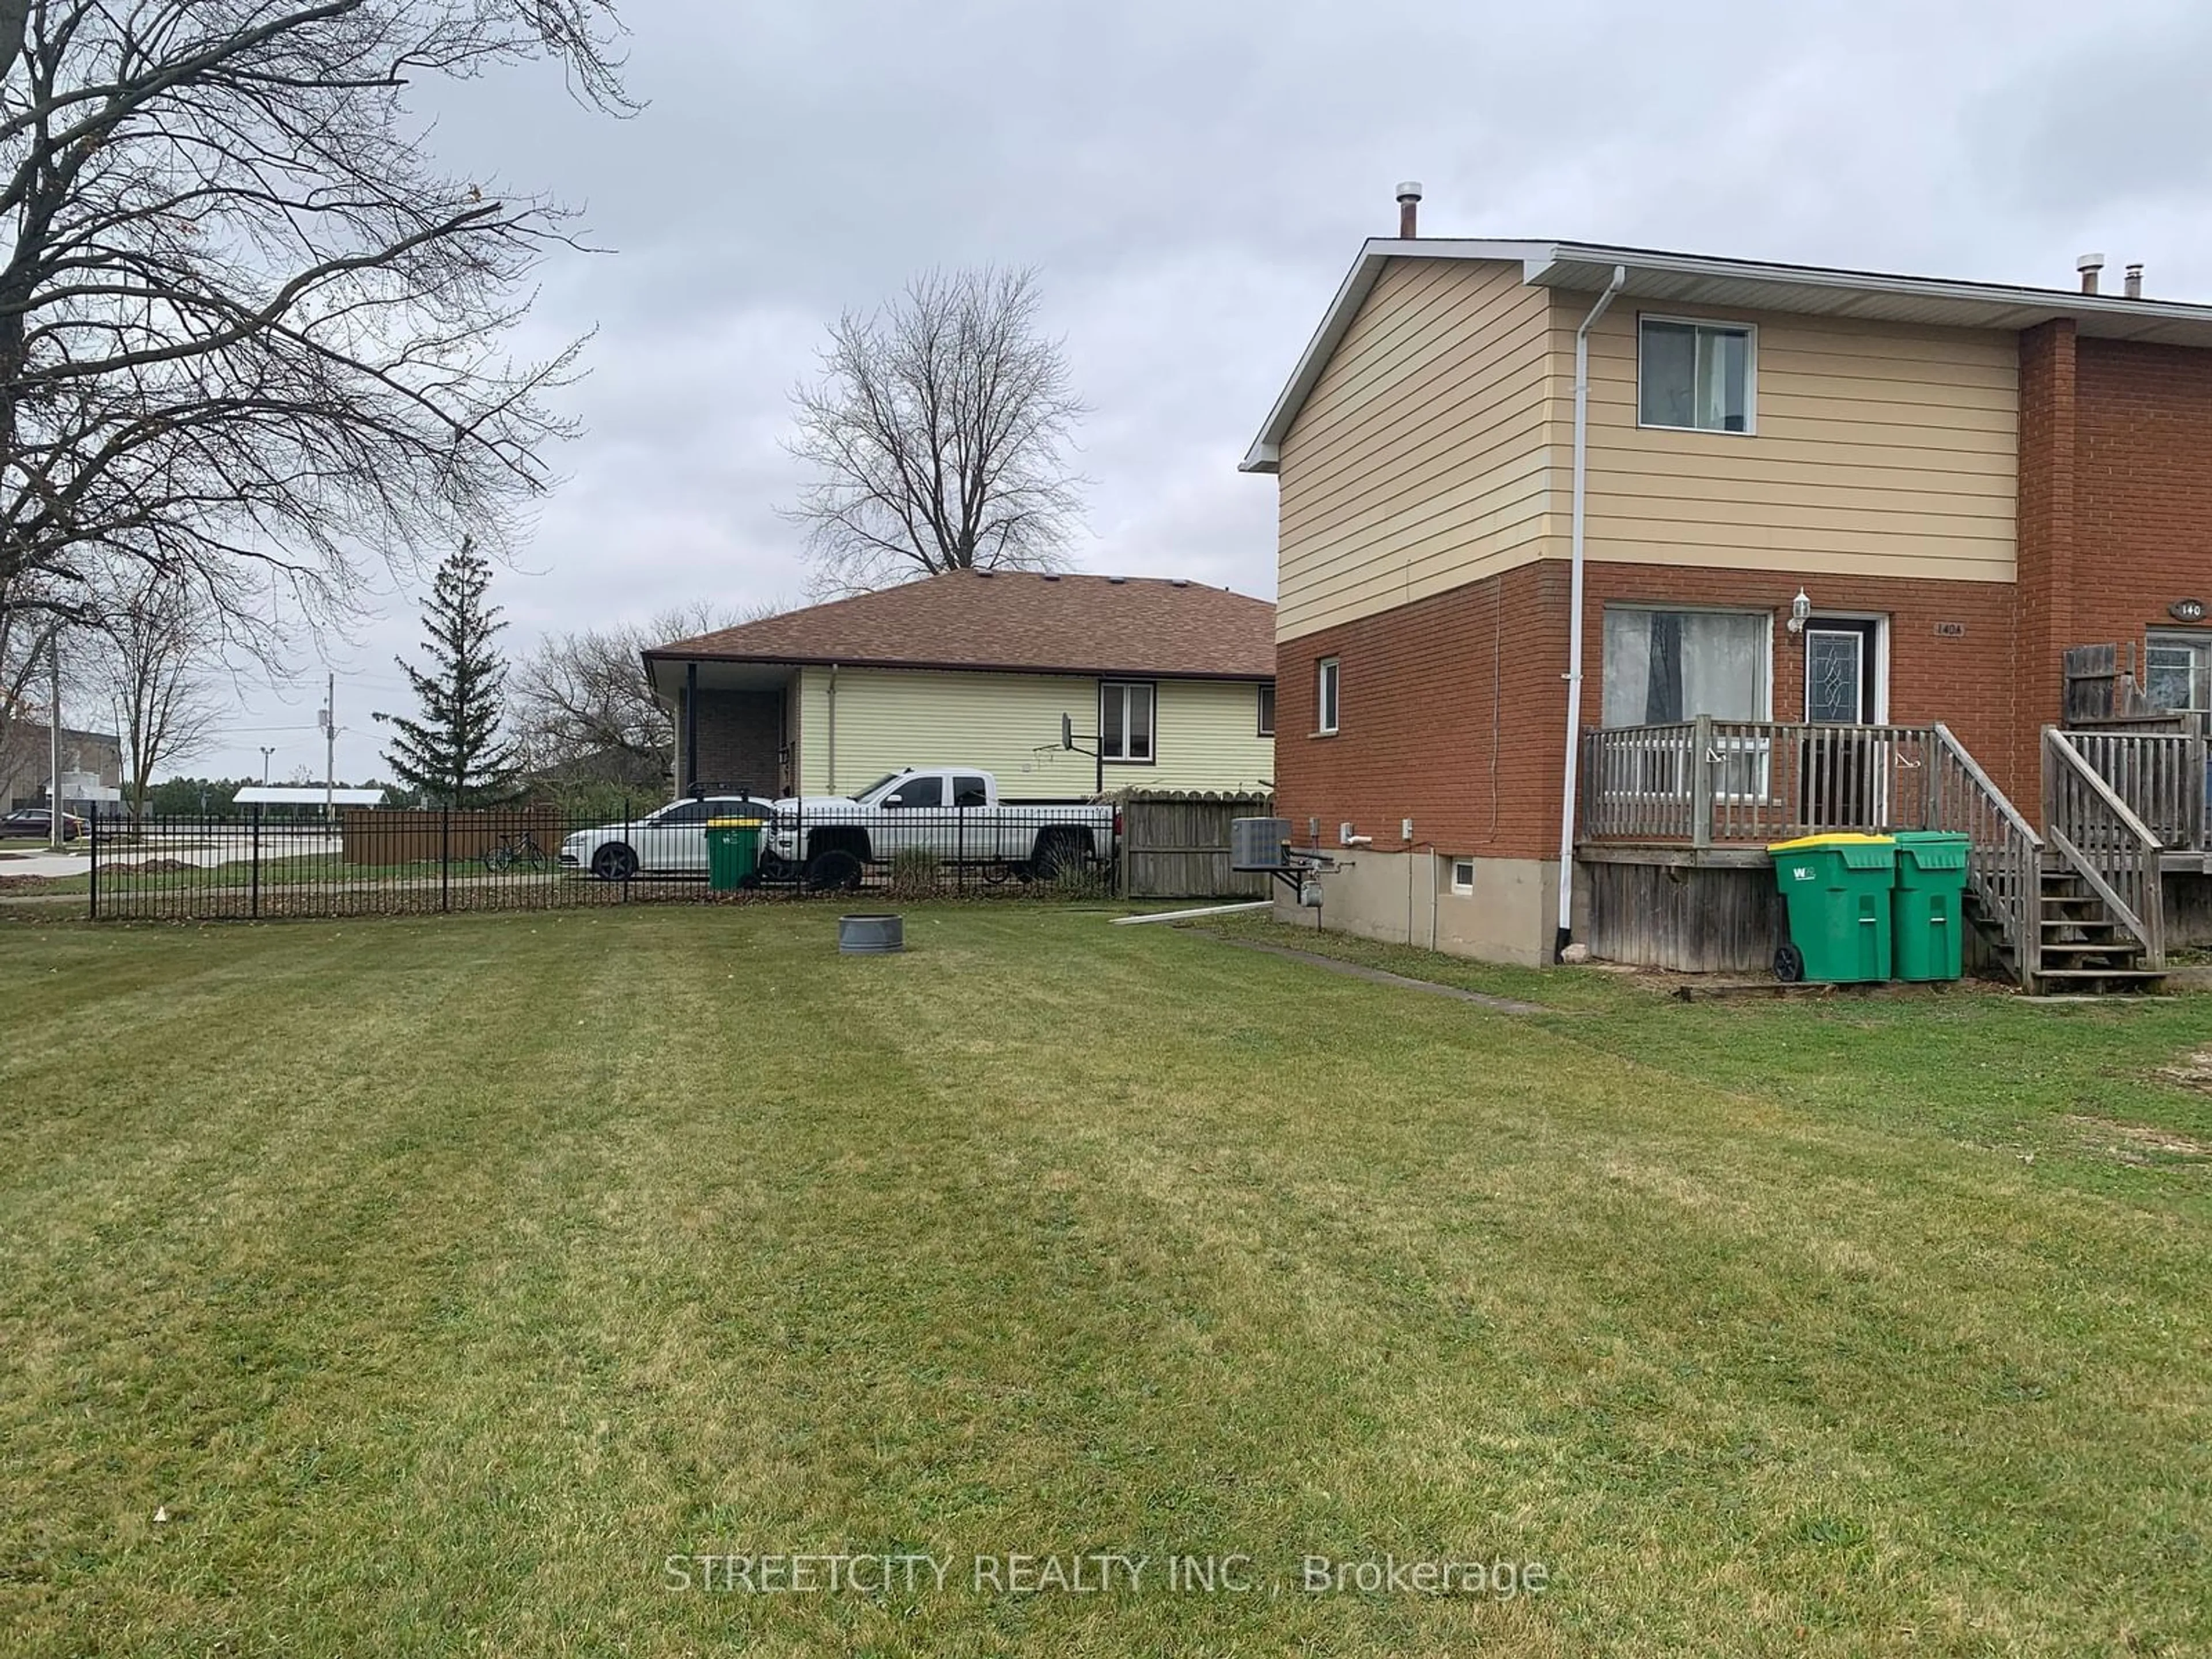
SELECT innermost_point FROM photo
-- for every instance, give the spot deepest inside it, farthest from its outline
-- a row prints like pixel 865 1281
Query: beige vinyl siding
pixel 1207 732
pixel 888 718
pixel 1418 462
pixel 1880 450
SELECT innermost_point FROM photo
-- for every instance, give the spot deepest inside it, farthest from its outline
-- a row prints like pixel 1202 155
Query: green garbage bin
pixel 1925 921
pixel 1836 894
pixel 733 853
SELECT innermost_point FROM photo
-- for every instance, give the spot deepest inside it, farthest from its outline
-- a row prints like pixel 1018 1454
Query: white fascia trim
pixel 1266 449
pixel 2053 302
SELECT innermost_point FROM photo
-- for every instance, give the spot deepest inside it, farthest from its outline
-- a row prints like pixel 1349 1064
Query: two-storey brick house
pixel 1750 532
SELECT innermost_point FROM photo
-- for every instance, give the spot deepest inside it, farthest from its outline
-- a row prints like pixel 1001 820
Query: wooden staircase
pixel 2083 948
pixel 2078 909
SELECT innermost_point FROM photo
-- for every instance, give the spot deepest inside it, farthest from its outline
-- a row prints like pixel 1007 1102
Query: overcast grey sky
pixel 1193 180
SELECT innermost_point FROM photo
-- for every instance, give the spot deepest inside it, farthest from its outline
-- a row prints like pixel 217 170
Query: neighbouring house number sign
pixel 2186 611
pixel 1950 630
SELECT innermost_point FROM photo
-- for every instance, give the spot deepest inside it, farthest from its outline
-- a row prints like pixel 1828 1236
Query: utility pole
pixel 54 819
pixel 267 749
pixel 331 751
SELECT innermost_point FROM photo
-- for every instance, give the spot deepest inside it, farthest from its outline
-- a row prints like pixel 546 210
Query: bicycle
pixel 517 851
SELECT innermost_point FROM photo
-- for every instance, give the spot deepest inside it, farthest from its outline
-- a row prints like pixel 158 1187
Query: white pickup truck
pixel 951 813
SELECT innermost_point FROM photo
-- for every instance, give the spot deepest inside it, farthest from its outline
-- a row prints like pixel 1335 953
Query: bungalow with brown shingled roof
pixel 1171 684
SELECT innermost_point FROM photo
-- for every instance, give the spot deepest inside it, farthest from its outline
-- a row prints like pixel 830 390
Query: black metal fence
pixel 385 861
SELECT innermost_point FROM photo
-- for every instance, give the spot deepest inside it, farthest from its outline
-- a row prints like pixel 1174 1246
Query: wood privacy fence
pixel 1175 844
pixel 384 836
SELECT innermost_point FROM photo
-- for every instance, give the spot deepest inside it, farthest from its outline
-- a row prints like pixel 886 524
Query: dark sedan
pixel 36 824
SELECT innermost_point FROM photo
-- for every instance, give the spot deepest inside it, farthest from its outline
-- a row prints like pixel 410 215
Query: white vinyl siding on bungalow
pixel 1009 724
pixel 1878 449
pixel 1417 463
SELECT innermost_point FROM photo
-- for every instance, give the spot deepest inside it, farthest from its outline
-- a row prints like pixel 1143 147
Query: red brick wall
pixel 2143 491
pixel 1449 713
pixel 2045 539
pixel 2115 523
pixel 1417 710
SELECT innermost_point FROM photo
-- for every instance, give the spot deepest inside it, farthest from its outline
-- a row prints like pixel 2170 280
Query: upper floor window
pixel 1125 721
pixel 1325 683
pixel 1698 376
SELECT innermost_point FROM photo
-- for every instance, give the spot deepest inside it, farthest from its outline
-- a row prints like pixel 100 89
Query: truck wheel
pixel 834 870
pixel 1058 852
pixel 614 862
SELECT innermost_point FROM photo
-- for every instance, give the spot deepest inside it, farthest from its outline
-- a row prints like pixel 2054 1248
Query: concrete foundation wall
pixel 1407 898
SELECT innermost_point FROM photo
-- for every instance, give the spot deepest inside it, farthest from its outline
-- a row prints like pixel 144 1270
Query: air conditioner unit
pixel 1258 844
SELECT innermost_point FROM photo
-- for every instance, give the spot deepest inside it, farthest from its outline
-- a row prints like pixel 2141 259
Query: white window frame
pixel 1750 332
pixel 1328 705
pixel 1152 730
pixel 1463 887
pixel 1263 714
pixel 2197 642
pixel 1761 771
pixel 1878 715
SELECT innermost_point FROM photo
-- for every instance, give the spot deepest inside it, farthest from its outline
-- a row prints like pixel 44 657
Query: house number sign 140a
pixel 1951 630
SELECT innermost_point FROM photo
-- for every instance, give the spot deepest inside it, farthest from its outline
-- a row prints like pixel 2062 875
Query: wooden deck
pixel 1673 815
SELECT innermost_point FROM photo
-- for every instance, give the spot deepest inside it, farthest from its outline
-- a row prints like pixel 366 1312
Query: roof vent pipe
pixel 2090 265
pixel 2134 284
pixel 1409 210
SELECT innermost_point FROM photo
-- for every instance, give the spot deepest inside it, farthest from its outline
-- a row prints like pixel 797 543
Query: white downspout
pixel 1575 615
pixel 833 729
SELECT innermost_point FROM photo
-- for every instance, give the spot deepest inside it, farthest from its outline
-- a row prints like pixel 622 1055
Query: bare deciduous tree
pixel 250 336
pixel 585 711
pixel 939 434
pixel 155 654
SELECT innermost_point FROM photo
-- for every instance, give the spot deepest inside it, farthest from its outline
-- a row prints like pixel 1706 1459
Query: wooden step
pixel 2139 976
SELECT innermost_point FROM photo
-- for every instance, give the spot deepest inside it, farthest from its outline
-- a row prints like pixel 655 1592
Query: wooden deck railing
pixel 1709 782
pixel 2105 842
pixel 2004 859
pixel 2161 775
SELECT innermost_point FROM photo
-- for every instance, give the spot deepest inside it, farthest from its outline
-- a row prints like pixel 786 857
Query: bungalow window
pixel 1267 709
pixel 1125 721
pixel 1695 376
pixel 1325 683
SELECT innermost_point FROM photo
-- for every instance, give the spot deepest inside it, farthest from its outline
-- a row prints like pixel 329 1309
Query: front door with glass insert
pixel 1845 774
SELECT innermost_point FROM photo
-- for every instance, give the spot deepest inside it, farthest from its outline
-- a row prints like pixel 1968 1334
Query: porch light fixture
pixel 1800 608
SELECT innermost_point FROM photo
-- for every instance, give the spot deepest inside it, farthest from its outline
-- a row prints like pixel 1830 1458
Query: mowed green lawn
pixel 438 1281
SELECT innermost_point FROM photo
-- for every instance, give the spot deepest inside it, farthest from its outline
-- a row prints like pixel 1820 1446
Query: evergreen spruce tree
pixel 454 754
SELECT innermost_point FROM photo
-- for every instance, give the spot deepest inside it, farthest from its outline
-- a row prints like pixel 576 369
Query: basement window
pixel 1462 877
pixel 1697 377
